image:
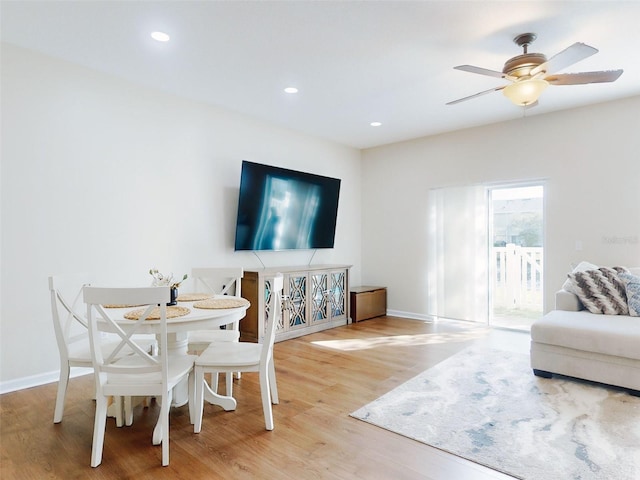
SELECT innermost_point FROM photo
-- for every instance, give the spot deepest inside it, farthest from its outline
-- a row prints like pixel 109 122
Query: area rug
pixel 485 405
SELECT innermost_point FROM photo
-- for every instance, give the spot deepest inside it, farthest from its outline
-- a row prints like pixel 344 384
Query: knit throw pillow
pixel 632 287
pixel 602 290
pixel 581 267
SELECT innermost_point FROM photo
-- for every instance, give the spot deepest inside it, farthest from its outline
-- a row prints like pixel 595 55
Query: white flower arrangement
pixel 160 280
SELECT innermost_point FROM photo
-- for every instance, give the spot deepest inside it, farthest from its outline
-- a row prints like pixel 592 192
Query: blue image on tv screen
pixel 281 209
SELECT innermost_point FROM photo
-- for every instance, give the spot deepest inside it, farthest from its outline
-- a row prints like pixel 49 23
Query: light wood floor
pixel 321 379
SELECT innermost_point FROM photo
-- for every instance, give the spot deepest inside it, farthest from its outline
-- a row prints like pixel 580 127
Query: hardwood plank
pixel 321 379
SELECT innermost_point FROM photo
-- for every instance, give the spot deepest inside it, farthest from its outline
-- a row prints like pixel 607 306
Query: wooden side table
pixel 368 302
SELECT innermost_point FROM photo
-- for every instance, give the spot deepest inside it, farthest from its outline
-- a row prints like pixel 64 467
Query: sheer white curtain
pixel 458 279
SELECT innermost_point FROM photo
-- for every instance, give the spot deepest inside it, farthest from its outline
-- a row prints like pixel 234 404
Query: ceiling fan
pixel 531 73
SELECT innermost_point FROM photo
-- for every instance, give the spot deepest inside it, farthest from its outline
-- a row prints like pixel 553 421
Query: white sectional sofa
pixel 574 342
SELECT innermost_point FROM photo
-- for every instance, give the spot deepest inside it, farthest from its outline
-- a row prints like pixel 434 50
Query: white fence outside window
pixel 517 278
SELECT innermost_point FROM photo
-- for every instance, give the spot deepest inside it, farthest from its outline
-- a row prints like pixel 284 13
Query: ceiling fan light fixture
pixel 160 36
pixel 525 92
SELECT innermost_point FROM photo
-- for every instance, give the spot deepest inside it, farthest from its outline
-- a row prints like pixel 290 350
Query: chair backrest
pixel 273 316
pixel 218 280
pixel 139 361
pixel 69 321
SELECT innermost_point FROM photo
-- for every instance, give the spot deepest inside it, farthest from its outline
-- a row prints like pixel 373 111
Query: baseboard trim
pixel 410 315
pixel 40 379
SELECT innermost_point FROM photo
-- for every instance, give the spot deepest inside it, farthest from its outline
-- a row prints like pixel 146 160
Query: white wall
pixel 103 176
pixel 588 156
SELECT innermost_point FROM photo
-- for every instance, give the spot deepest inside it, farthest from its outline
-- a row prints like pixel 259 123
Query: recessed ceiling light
pixel 160 36
pixel 375 124
pixel 291 90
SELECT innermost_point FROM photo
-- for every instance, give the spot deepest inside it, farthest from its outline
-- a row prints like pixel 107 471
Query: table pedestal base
pixel 227 403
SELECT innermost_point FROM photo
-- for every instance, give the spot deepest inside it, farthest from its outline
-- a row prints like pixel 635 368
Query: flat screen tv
pixel 282 209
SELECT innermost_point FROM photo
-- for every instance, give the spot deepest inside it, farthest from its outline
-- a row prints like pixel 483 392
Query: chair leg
pixel 214 381
pixel 192 394
pixel 272 383
pixel 164 419
pixel 118 410
pixel 229 383
pixel 128 411
pixel 62 393
pixel 198 399
pixel 266 399
pixel 99 426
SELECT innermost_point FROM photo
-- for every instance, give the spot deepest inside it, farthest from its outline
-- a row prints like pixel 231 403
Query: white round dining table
pixel 179 327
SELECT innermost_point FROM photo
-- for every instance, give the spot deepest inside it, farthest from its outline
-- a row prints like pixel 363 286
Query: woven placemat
pixel 193 297
pixel 222 303
pixel 172 312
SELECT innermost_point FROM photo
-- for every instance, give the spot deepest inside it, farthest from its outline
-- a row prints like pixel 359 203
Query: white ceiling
pixel 354 62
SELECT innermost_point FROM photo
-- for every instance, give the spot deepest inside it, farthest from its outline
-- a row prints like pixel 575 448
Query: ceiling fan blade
pixel 584 77
pixel 570 55
pixel 483 71
pixel 476 95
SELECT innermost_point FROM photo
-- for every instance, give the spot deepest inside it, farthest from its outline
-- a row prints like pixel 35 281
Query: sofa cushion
pixel 617 335
pixel 601 290
pixel 632 287
pixel 568 301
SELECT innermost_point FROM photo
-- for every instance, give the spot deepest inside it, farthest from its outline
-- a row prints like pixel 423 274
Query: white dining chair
pixel 244 357
pixel 138 374
pixel 70 326
pixel 216 281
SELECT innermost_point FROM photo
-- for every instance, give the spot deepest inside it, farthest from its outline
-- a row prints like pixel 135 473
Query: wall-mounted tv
pixel 282 209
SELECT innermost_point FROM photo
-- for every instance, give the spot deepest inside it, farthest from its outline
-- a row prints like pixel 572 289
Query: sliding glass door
pixel 485 254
